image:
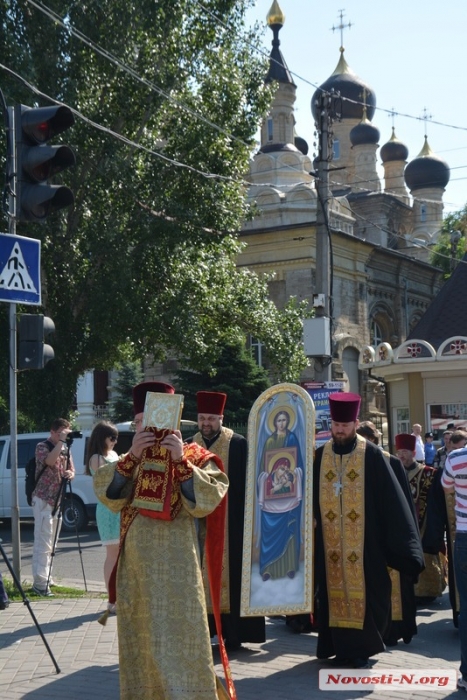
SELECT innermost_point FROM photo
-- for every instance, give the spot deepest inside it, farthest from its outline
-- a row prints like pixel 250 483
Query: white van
pixel 80 500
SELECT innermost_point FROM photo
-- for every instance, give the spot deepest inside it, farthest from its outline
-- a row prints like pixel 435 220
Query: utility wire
pixel 111 57
pixel 106 54
pixel 120 137
pixel 127 69
pixel 127 141
pixel 318 87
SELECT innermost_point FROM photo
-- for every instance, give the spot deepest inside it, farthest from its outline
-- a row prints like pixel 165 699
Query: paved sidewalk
pixel 284 668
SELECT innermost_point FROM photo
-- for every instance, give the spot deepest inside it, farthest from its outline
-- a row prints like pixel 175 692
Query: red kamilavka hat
pixel 404 441
pixel 140 391
pixel 344 406
pixel 212 402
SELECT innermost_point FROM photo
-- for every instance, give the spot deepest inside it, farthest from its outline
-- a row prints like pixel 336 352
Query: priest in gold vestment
pixel 363 526
pixel 163 636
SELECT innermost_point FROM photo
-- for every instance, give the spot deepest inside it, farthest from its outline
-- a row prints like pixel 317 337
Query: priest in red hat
pixel 163 633
pixel 363 526
pixel 232 449
pixel 427 494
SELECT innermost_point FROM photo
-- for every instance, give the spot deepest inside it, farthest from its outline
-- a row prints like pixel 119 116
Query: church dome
pixel 364 133
pixel 278 148
pixel 351 88
pixel 394 149
pixel 301 144
pixel 426 170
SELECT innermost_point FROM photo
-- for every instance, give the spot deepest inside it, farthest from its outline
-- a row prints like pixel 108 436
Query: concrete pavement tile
pixel 284 668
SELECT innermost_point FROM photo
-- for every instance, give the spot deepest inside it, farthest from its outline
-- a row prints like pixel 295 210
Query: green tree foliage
pixel 168 97
pixel 445 251
pixel 235 373
pixel 121 404
pixel 25 424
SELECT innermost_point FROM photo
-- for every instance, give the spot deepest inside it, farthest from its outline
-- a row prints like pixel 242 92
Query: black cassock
pixel 407 627
pixel 236 629
pixel 391 538
pixel 438 536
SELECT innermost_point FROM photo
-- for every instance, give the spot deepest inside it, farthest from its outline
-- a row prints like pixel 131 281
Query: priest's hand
pixel 142 440
pixel 174 443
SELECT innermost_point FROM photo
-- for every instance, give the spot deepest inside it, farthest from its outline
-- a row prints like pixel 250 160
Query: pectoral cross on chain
pixel 337 488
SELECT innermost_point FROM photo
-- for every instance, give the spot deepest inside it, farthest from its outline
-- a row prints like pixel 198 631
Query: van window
pixel 124 443
pixel 26 450
pixel 2 447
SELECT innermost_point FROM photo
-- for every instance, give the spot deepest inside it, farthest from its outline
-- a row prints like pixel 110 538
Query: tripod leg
pixel 57 507
pixel 28 604
pixel 79 542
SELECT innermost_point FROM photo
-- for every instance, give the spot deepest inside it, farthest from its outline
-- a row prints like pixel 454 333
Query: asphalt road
pixel 73 553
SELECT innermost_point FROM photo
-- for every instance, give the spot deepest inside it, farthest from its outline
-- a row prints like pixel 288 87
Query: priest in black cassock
pixel 232 449
pixel 364 525
pixel 403 623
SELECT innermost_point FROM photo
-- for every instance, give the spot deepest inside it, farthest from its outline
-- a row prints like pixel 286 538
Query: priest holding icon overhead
pixel 363 526
pixel 161 487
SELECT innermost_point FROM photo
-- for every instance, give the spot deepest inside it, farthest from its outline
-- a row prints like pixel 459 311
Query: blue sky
pixel 412 53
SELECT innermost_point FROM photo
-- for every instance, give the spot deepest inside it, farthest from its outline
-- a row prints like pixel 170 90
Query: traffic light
pixel 33 352
pixel 36 162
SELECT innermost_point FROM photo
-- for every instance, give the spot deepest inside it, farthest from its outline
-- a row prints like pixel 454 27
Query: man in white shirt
pixel 419 445
pixel 453 479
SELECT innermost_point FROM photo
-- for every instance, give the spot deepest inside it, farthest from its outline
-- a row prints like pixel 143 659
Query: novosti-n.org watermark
pixel 386 679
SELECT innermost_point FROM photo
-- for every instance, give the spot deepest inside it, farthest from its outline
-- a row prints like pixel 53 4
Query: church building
pixel 379 231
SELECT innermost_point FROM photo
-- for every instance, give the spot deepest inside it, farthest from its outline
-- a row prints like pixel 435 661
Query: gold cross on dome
pixel 341 27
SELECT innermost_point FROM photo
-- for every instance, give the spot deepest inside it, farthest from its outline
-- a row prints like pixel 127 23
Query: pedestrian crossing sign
pixel 20 262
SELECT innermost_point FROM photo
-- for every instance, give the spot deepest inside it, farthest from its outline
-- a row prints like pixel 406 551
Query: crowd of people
pixel 389 532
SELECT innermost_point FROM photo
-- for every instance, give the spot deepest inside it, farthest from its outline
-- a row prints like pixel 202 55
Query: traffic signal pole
pixel 31 162
pixel 15 520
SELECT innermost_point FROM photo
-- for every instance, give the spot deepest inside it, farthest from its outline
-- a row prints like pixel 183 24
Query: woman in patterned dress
pixel 100 452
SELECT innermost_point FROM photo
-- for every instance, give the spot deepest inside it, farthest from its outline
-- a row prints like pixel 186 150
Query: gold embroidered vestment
pixel 342 504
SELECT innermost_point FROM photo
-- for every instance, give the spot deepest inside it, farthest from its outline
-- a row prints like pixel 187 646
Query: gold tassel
pixel 103 618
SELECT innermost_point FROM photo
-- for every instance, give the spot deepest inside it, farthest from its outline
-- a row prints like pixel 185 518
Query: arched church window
pixel 423 211
pixel 381 324
pixel 270 129
pixel 376 334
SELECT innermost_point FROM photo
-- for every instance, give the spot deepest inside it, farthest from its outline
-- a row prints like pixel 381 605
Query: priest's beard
pixel 340 439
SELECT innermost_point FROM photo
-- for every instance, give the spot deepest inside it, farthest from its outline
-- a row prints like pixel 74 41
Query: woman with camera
pixel 100 451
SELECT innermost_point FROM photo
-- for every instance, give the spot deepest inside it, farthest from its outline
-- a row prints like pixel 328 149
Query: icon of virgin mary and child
pixel 280 490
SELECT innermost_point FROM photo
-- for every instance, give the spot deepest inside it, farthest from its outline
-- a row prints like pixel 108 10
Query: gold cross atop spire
pixel 341 26
pixel 392 114
pixel 364 94
pixel 425 118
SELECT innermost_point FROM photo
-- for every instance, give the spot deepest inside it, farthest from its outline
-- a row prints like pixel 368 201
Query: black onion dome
pixel 364 133
pixel 301 144
pixel 394 149
pixel 426 170
pixel 278 147
pixel 351 87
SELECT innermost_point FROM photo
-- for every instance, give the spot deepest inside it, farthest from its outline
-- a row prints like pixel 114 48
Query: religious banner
pixel 278 541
